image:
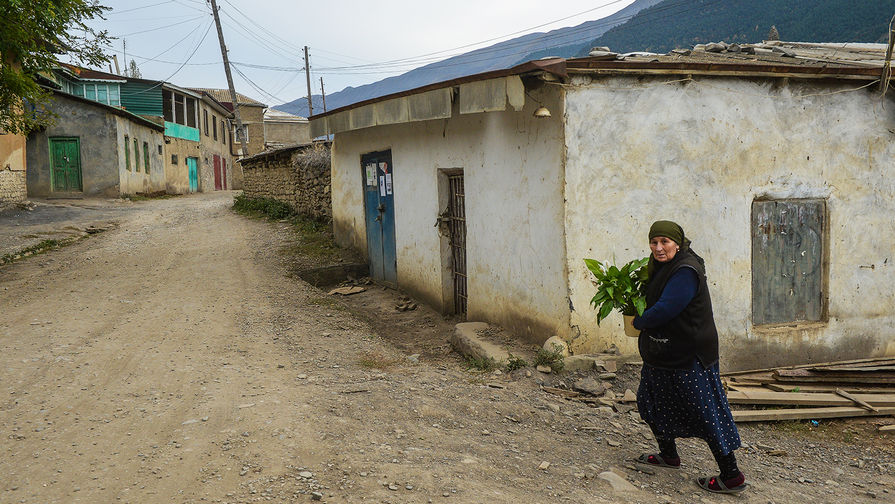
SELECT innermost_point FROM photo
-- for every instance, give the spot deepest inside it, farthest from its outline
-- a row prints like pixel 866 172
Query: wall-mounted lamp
pixel 542 112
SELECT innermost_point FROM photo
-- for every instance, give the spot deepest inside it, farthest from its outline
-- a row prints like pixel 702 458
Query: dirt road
pixel 175 359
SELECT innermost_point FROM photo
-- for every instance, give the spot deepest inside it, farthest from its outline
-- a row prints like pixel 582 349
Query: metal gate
pixel 457 227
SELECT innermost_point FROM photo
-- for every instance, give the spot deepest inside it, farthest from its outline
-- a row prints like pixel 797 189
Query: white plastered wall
pixel 513 177
pixel 699 153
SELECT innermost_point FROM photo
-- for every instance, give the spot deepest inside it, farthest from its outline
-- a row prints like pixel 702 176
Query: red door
pixel 217 172
pixel 224 172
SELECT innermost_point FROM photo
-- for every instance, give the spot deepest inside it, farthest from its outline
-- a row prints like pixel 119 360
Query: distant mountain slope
pixel 501 55
pixel 683 23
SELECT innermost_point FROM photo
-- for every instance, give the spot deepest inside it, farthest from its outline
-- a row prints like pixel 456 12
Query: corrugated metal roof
pixel 89 74
pixel 223 96
pixel 771 58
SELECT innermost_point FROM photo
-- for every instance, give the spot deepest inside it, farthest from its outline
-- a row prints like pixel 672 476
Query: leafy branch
pixel 622 289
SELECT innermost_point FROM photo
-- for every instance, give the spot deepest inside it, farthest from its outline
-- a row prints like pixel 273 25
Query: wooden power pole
pixel 233 98
pixel 308 77
pixel 323 94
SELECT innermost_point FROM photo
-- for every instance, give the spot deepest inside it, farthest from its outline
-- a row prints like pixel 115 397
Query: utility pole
pixel 233 99
pixel 308 77
pixel 323 94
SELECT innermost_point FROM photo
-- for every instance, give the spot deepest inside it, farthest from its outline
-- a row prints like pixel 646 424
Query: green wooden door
pixel 65 164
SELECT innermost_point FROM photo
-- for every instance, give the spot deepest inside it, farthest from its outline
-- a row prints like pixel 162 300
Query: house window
pixel 179 109
pixel 159 149
pixel 90 91
pixel 205 120
pixel 223 133
pixel 146 156
pixel 136 155
pixel 114 96
pixel 214 127
pixel 127 153
pixel 191 112
pixel 168 105
pixel 788 261
pixel 173 158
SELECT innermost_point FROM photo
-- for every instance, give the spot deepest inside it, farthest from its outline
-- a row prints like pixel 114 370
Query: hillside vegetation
pixel 683 23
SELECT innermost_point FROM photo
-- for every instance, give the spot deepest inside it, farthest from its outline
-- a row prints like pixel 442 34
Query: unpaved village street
pixel 176 358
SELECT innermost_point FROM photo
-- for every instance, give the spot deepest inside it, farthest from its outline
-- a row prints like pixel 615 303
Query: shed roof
pixel 280 116
pixel 771 58
pixel 90 74
pixel 223 96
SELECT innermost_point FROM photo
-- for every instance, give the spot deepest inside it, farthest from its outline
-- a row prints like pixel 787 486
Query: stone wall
pixel 12 169
pixel 299 176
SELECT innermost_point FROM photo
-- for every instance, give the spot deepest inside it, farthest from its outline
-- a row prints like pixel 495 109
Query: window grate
pixel 457 226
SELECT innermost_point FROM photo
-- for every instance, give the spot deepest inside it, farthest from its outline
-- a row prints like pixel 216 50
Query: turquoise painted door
pixel 193 164
pixel 65 164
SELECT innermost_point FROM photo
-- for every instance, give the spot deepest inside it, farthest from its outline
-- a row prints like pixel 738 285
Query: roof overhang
pixel 485 92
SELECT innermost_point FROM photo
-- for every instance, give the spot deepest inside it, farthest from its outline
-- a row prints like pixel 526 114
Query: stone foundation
pixel 299 176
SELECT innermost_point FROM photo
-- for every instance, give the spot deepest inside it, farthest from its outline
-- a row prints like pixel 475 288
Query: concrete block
pixel 580 363
pixel 466 341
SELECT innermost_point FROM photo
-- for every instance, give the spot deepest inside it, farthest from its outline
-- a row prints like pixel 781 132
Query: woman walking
pixel 680 392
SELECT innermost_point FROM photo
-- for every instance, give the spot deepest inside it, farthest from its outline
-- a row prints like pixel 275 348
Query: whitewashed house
pixel 779 167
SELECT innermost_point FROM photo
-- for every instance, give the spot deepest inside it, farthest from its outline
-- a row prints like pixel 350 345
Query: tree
pixel 133 70
pixel 773 34
pixel 32 34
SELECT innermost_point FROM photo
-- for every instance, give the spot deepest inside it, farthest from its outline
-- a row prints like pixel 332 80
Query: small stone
pixel 408 487
pixel 614 444
pixel 629 396
pixel 316 496
pixel 306 474
pixel 544 369
pixel 618 483
pixel 607 376
pixel 246 405
pixel 205 419
pixel 527 373
pixel 393 487
pixel 415 358
pixel 363 474
pixel 446 494
pixel 190 422
pixel 543 466
pixel 302 376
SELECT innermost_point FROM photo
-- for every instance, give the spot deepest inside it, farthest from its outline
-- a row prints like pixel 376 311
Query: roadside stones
pixel 557 344
pixel 618 483
pixel 579 363
pixel 590 386
pixel 316 496
pixel 466 341
pixel 306 474
pixel 544 466
pixel 544 369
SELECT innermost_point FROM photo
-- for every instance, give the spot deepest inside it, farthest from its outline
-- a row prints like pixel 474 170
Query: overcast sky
pixel 351 42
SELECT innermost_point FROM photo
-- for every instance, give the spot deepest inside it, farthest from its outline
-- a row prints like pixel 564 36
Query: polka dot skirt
pixel 681 403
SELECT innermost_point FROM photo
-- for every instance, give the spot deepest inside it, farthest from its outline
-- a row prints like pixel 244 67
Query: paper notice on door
pixel 381 185
pixel 371 174
pixel 388 183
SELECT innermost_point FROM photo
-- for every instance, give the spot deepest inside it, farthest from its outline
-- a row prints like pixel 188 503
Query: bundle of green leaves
pixel 622 289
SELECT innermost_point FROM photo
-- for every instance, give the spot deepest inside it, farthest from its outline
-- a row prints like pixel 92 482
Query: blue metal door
pixel 379 198
pixel 193 165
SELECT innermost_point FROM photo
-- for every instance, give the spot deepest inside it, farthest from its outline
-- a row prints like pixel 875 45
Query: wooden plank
pixel 810 376
pixel 854 369
pixel 869 360
pixel 761 396
pixel 860 402
pixel 824 387
pixel 807 413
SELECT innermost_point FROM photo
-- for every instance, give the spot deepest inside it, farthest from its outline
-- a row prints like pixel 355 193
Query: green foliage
pixel 675 24
pixel 483 364
pixel 40 248
pixel 622 289
pixel 32 34
pixel 262 207
pixel 514 363
pixel 552 358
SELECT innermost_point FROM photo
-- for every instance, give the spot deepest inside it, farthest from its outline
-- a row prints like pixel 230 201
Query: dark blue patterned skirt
pixel 682 403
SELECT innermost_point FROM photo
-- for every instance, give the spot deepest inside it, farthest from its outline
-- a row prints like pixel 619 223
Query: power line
pixel 138 8
pixel 161 27
pixel 193 53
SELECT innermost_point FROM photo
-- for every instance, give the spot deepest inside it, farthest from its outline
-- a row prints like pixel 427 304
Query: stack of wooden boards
pixel 864 387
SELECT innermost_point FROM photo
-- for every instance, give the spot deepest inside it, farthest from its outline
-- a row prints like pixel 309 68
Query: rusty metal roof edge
pixel 556 66
pixel 583 65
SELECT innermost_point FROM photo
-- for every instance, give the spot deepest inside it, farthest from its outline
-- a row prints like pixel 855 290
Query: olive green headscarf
pixel 668 229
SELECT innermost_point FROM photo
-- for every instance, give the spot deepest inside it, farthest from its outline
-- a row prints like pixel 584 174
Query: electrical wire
pixel 138 8
pixel 193 53
pixel 160 27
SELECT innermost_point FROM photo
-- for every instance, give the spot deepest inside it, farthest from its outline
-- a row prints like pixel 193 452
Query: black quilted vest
pixel 692 334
